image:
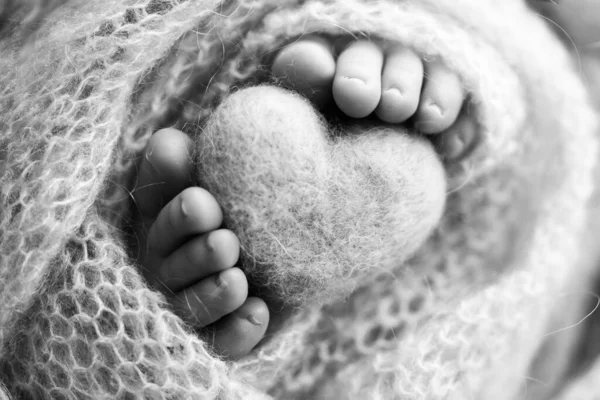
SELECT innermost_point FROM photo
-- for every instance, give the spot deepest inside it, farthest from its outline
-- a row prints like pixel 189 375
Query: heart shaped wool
pixel 316 211
pixel 468 303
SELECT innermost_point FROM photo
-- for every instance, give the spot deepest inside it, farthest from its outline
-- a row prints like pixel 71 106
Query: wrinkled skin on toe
pixel 316 213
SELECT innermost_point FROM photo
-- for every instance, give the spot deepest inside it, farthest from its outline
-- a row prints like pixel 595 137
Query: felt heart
pixel 317 210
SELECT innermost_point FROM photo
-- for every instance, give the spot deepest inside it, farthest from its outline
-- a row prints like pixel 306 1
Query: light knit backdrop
pixel 488 308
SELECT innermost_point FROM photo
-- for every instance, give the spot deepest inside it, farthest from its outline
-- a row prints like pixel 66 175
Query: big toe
pixel 308 67
pixel 165 170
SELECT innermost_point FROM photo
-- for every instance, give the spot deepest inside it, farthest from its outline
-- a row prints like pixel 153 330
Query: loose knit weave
pixel 480 310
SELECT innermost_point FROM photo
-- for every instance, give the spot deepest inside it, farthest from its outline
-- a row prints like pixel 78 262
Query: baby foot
pixel 181 248
pixel 184 253
pixel 392 82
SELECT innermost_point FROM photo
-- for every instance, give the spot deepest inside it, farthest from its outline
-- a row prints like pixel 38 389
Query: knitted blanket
pixel 486 304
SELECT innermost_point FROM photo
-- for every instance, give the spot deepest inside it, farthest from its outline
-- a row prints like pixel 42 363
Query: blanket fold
pixel 464 316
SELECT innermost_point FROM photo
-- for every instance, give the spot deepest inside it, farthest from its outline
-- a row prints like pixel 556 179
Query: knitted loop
pixel 464 316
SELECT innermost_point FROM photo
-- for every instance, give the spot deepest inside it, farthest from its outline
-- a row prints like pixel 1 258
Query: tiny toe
pixel 308 67
pixel 201 256
pixel 212 298
pixel 357 82
pixel 165 171
pixel 401 83
pixel 194 211
pixel 459 140
pixel 441 99
pixel 239 332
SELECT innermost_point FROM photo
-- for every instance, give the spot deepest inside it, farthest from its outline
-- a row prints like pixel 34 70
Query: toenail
pixel 354 79
pixel 253 320
pixel 435 109
pixel 210 243
pixel 221 282
pixel 393 91
pixel 183 207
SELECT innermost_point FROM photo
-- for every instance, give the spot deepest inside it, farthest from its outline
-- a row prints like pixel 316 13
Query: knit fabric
pixel 474 311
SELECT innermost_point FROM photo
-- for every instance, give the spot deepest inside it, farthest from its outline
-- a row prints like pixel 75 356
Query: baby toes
pixel 441 99
pixel 308 67
pixel 212 298
pixel 191 213
pixel 199 257
pixel 357 82
pixel 401 83
pixel 236 334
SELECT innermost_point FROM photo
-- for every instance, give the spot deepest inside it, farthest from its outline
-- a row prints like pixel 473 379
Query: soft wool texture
pixel 316 215
pixel 479 310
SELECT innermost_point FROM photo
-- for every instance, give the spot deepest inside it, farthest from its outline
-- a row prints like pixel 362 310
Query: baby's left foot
pixel 392 82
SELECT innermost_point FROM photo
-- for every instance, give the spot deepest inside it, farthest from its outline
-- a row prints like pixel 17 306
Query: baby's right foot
pixel 393 82
pixel 183 252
